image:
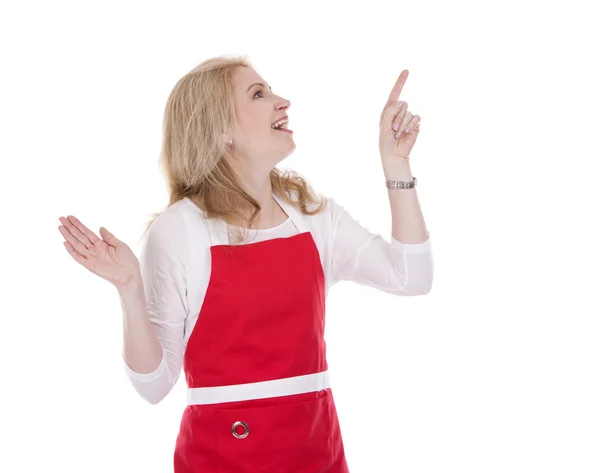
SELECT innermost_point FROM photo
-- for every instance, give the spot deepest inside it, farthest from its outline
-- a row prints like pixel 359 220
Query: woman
pixel 243 316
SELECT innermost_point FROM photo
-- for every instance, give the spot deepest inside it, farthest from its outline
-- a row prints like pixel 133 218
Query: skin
pixel 398 128
pixel 257 147
pixel 398 132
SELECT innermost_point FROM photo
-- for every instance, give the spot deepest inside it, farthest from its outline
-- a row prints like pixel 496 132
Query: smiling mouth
pixel 282 126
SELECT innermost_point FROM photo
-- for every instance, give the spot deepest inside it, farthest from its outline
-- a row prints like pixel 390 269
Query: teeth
pixel 280 124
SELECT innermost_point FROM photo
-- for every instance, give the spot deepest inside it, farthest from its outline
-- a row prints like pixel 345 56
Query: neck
pixel 270 213
pixel 258 184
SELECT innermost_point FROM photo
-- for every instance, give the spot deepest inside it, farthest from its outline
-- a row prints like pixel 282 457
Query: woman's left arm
pixel 398 132
pixel 404 266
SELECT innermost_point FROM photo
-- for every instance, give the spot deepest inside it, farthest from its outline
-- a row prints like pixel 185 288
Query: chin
pixel 280 156
pixel 292 148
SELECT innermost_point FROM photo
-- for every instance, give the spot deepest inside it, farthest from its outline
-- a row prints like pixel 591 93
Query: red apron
pixel 255 364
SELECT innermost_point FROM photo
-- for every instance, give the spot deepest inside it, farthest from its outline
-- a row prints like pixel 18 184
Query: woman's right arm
pixel 155 309
pixel 153 294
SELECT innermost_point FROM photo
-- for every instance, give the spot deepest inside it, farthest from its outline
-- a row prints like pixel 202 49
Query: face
pixel 255 142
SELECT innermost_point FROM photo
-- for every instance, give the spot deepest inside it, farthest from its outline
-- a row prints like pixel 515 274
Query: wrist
pixel 397 169
pixel 133 285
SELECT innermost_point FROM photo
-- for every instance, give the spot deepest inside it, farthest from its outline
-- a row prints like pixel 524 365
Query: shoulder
pixel 322 223
pixel 328 215
pixel 175 227
pixel 311 207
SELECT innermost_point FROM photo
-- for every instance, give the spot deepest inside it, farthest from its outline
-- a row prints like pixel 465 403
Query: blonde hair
pixel 194 155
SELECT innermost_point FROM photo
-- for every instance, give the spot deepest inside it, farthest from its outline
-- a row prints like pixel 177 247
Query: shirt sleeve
pixel 368 259
pixel 162 264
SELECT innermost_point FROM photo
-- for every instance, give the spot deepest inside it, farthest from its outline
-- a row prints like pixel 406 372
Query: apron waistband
pixel 263 389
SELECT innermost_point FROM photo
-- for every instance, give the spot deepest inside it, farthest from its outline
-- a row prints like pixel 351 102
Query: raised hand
pixel 398 128
pixel 107 257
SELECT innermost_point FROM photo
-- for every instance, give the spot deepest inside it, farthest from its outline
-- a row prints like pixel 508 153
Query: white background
pixel 495 370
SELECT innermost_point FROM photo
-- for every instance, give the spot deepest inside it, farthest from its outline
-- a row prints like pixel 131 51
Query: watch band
pixel 401 184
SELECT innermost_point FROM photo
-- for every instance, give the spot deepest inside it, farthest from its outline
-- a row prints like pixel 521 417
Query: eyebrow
pixel 257 83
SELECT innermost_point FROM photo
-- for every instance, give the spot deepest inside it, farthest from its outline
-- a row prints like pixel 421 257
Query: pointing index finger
pixel 395 93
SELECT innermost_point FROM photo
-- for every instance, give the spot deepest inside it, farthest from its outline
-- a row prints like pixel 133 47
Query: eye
pixel 259 90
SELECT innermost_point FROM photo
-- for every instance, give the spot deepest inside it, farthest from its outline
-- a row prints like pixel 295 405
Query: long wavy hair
pixel 195 160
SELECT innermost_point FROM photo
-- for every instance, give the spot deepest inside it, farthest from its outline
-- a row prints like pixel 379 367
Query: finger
pixel 390 113
pixel 79 258
pixel 75 243
pixel 92 237
pixel 407 118
pixel 81 232
pixel 397 118
pixel 414 123
pixel 109 237
pixel 395 93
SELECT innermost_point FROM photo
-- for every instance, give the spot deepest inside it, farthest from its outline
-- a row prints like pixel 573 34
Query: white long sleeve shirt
pixel 175 264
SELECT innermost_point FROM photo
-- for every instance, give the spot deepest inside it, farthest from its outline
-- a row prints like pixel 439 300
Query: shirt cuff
pixel 412 248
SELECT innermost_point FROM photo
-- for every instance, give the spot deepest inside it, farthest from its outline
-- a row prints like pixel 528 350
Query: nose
pixel 283 104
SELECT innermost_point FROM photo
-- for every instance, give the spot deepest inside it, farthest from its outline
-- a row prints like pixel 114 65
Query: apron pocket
pixel 292 434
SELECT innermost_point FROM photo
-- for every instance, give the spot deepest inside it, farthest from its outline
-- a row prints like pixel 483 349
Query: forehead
pixel 245 76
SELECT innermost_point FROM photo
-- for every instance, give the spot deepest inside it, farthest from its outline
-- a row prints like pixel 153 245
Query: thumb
pixel 109 238
pixel 389 115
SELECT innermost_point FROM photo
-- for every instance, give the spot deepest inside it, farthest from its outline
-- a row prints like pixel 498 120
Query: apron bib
pixel 255 364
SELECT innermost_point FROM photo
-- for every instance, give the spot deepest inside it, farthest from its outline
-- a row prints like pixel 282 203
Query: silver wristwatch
pixel 401 184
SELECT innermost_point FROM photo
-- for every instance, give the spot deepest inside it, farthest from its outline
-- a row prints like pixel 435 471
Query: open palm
pixel 107 257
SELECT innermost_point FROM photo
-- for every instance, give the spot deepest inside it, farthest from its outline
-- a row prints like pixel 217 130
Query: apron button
pixel 245 432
